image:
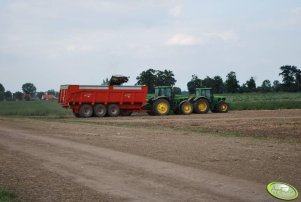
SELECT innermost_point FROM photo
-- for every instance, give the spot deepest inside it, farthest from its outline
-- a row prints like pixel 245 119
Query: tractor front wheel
pixel 223 107
pixel 201 106
pixel 186 108
pixel 161 107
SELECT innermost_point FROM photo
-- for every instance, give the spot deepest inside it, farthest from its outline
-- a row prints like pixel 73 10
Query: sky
pixel 54 42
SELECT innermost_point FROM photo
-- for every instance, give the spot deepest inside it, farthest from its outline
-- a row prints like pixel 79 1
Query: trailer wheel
pixel 223 107
pixel 113 110
pixel 126 112
pixel 186 108
pixel 161 107
pixel 100 110
pixel 201 106
pixel 86 111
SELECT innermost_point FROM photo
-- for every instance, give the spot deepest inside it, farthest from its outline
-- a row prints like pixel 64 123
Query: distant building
pixel 48 97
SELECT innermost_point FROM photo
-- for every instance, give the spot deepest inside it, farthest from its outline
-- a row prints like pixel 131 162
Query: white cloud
pixel 183 40
pixel 295 18
pixel 176 10
pixel 201 39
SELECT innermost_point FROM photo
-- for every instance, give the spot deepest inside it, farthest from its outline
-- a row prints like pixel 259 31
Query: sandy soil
pixel 212 157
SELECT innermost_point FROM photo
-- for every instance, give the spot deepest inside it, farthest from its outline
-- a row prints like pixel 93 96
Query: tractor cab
pixel 204 92
pixel 165 91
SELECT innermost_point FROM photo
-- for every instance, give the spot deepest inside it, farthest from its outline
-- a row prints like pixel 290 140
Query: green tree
pixel 177 90
pixel 8 96
pixel 165 78
pixel 29 89
pixel 194 83
pixel 2 91
pixel 51 92
pixel 105 82
pixel 218 85
pixel 40 94
pixel 276 85
pixel 231 83
pixel 289 74
pixel 208 82
pixel 266 85
pixel 153 78
pixel 148 78
pixel 251 85
pixel 18 95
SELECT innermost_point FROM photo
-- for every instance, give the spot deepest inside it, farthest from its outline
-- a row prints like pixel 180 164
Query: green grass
pixel 269 101
pixel 239 101
pixel 33 108
pixel 6 196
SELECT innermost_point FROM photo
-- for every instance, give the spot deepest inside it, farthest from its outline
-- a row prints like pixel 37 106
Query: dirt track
pixel 212 157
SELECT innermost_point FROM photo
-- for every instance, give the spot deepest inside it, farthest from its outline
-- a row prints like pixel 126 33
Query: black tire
pixel 161 107
pixel 126 112
pixel 113 110
pixel 201 106
pixel 186 108
pixel 223 107
pixel 100 110
pixel 86 111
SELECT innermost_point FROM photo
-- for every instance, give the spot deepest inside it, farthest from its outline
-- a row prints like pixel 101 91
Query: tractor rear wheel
pixel 223 107
pixel 186 108
pixel 161 107
pixel 100 110
pixel 113 110
pixel 201 106
pixel 86 111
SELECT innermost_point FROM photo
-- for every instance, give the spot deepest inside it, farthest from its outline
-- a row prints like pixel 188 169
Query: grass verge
pixel 6 196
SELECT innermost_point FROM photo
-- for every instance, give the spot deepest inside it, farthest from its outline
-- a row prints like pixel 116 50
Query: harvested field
pixel 211 157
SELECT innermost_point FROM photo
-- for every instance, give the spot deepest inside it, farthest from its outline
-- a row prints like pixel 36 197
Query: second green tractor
pixel 164 101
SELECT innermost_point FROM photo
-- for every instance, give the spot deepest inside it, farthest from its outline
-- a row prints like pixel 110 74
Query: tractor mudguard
pixel 201 97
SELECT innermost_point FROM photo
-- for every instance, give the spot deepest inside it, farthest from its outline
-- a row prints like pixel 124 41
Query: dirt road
pixel 143 158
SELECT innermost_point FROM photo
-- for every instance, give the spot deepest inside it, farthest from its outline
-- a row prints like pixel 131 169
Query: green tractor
pixel 164 101
pixel 205 100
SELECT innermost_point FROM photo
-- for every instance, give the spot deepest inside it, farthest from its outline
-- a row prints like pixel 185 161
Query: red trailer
pixel 112 100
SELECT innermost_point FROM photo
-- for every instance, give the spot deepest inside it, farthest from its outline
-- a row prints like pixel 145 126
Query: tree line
pixel 291 82
pixel 29 92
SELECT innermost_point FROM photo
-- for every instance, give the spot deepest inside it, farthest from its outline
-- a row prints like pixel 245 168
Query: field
pixel 49 155
pixel 244 101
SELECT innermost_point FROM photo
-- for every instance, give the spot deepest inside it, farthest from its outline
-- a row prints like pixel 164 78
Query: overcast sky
pixel 54 42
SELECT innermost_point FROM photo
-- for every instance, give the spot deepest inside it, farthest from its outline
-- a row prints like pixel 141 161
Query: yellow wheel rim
pixel 162 108
pixel 224 107
pixel 203 106
pixel 187 108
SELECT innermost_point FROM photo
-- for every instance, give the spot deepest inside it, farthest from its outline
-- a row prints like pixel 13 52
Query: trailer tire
pixel 86 111
pixel 100 110
pixel 201 106
pixel 186 108
pixel 113 110
pixel 161 107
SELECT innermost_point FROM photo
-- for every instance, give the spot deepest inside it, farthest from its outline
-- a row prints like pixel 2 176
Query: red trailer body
pixel 87 100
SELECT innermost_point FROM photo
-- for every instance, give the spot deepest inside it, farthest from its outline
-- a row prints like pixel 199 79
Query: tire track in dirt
pixel 131 176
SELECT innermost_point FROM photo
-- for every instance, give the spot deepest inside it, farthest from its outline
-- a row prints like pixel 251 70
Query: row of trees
pixel 29 92
pixel 291 77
